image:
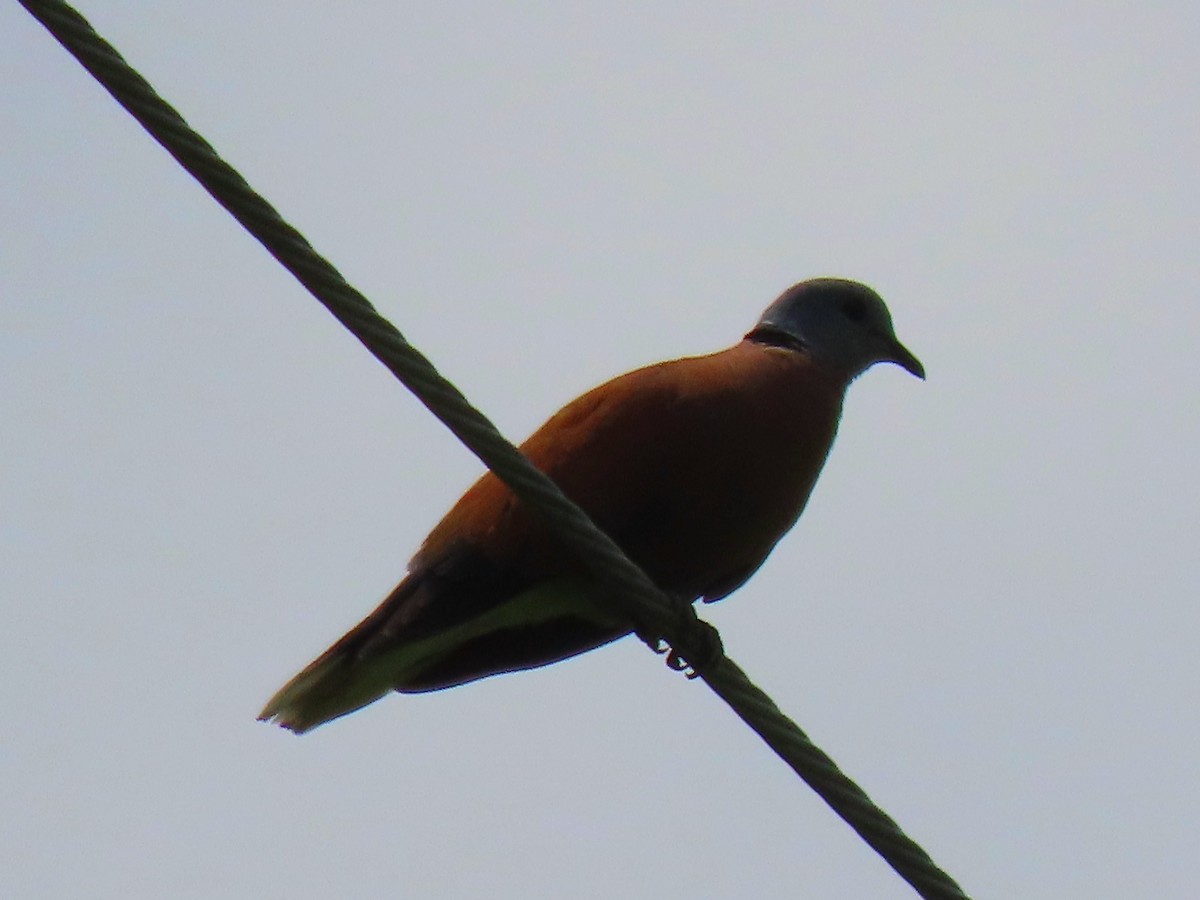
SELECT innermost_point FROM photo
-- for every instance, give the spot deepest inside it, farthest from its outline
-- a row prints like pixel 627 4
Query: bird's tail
pixel 330 686
pixel 552 620
pixel 344 678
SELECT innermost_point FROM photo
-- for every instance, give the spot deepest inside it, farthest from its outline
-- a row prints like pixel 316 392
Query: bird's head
pixel 841 323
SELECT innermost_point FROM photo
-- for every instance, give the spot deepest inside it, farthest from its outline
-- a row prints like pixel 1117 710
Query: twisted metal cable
pixel 655 613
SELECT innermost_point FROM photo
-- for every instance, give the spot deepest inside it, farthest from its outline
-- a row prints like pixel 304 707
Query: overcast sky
pixel 988 614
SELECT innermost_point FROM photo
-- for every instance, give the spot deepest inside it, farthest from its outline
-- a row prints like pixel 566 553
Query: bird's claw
pixel 679 664
pixel 656 644
pixel 707 651
pixel 703 638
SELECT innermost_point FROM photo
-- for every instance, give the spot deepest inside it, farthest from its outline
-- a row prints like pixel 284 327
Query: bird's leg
pixel 657 644
pixel 706 651
pixel 703 639
pixel 660 645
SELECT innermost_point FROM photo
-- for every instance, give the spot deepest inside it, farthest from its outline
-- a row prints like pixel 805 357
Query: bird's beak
pixel 901 356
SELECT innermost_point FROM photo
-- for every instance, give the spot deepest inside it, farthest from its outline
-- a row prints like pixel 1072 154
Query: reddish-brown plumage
pixel 695 467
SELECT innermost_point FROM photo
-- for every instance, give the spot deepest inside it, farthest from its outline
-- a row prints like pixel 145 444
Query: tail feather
pixel 331 686
pixel 347 676
pixel 452 643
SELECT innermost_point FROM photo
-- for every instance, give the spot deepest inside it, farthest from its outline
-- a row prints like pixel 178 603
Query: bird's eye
pixel 854 308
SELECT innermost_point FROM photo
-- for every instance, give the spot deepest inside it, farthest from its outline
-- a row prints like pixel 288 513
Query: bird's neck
pixel 775 337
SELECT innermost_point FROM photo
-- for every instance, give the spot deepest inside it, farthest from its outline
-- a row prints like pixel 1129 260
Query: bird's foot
pixel 702 640
pixel 705 651
pixel 656 644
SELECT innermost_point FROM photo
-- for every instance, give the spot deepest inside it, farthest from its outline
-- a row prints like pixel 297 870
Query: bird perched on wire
pixel 695 467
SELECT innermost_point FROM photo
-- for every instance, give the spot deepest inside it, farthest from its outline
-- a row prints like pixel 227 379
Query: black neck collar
pixel 775 337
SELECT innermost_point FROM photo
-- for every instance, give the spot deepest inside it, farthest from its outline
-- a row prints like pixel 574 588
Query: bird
pixel 695 467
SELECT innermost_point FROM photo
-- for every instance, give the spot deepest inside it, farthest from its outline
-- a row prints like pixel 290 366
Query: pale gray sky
pixel 988 614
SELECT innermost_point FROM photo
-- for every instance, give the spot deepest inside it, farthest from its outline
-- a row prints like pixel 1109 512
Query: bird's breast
pixel 738 457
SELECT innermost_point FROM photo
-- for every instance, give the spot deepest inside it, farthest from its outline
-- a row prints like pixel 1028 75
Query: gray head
pixel 842 323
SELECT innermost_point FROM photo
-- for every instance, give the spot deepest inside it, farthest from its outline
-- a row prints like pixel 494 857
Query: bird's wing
pixel 490 590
